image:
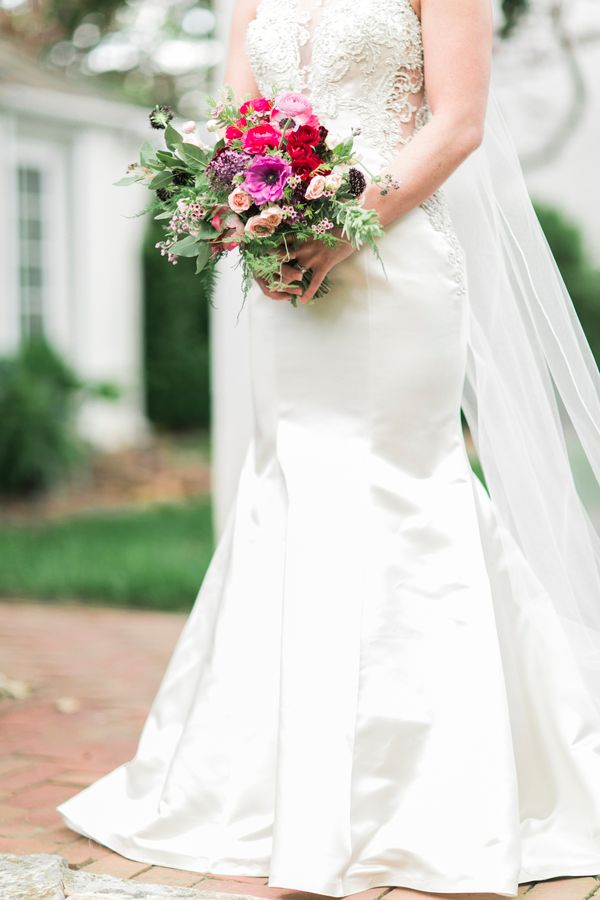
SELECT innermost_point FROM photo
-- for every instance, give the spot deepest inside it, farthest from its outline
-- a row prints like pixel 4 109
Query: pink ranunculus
pixel 258 139
pixel 316 187
pixel 292 105
pixel 257 226
pixel 239 200
pixel 188 127
pixel 273 215
pixel 259 104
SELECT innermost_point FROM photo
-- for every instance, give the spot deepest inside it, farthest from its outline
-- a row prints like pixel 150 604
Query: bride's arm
pixel 457 43
pixel 238 72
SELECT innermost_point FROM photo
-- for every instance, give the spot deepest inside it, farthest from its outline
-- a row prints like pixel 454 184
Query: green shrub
pixel 581 278
pixel 176 340
pixel 39 397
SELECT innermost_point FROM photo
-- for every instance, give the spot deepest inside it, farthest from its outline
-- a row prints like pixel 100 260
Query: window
pixel 32 281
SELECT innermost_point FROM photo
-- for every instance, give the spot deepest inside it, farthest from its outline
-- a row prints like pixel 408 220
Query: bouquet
pixel 273 177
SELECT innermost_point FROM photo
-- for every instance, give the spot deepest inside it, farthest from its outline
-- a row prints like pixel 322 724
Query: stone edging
pixel 44 876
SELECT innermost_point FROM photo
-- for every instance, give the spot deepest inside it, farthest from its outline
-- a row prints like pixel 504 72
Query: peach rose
pixel 259 227
pixel 273 215
pixel 239 200
pixel 316 187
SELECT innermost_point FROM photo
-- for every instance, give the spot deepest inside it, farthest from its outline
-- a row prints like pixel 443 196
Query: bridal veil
pixel 531 388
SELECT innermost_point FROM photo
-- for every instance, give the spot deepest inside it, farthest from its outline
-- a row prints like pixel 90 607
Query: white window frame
pixel 49 158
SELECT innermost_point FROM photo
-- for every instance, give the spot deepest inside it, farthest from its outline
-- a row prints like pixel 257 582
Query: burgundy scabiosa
pixel 356 182
pixel 266 178
pixel 181 177
pixel 160 116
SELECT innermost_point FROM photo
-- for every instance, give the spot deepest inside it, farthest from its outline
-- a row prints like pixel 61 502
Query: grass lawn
pixel 154 557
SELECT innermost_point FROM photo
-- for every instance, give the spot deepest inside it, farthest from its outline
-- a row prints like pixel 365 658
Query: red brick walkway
pixel 107 664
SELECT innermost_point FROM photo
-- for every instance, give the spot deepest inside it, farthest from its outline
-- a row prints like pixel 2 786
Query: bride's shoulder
pixel 245 10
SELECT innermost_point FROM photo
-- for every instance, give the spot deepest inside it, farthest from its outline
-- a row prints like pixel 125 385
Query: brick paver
pixel 107 664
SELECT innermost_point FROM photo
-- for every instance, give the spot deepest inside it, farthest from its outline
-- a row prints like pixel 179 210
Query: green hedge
pixel 176 340
pixel 39 399
pixel 581 277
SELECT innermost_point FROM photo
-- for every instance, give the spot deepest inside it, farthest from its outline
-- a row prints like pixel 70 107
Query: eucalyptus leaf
pixel 172 137
pixel 187 246
pixel 164 215
pixel 204 254
pixel 147 154
pixel 166 157
pixel 206 232
pixel 192 154
pixel 129 179
pixel 160 180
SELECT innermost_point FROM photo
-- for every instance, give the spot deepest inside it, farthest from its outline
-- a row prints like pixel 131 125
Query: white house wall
pixel 94 313
pixel 107 289
pixel 9 331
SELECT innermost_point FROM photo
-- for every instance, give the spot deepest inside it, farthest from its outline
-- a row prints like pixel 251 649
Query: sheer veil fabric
pixel 529 369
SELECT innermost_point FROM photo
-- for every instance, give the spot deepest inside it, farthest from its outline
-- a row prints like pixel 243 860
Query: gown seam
pixel 370 530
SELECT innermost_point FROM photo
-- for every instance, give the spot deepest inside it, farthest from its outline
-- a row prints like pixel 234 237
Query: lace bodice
pixel 361 64
pixel 360 61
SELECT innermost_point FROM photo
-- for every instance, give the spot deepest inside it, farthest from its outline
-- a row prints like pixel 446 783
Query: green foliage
pixel 176 339
pixel 580 276
pixel 512 11
pixel 39 397
pixel 153 558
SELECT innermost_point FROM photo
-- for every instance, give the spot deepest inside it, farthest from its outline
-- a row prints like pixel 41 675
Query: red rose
pixel 259 104
pixel 304 159
pixel 256 140
pixel 305 134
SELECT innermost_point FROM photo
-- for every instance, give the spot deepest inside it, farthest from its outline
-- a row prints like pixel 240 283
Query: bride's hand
pixel 316 255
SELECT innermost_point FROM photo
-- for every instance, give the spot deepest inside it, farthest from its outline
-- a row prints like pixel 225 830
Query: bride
pixel 391 676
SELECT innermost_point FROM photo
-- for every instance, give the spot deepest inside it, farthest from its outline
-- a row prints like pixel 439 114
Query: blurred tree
pixel 152 51
pixel 512 11
pixel 581 277
pixel 40 23
pixel 148 51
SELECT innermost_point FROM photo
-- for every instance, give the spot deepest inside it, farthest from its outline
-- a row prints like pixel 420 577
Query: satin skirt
pixel 372 688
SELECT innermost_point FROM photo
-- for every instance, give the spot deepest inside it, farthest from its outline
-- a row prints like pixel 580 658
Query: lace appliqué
pixel 437 211
pixel 376 45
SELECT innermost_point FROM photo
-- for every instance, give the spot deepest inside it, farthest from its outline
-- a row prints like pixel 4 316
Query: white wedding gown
pixel 359 697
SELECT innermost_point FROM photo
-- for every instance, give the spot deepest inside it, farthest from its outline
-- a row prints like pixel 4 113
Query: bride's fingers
pixel 290 274
pixel 270 292
pixel 315 283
